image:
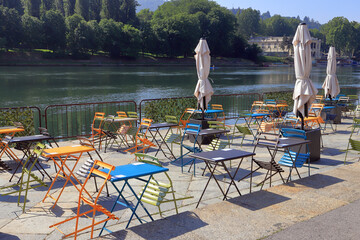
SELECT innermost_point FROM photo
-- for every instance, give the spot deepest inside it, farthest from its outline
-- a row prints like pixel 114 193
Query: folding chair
pixel 343 104
pixel 220 116
pixel 256 105
pixel 156 191
pixel 319 98
pixel 191 129
pixel 291 158
pixel 241 130
pixel 353 144
pixel 141 141
pixel 185 117
pixel 314 117
pixel 27 176
pixel 93 203
pixel 220 125
pixel 97 133
pixel 270 141
pixel 173 137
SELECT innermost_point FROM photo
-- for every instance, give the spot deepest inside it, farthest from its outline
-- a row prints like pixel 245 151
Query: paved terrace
pixel 250 216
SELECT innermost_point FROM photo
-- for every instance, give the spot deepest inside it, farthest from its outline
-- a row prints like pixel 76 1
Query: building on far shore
pixel 272 46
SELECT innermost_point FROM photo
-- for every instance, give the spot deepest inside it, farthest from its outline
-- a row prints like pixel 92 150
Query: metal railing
pixel 71 120
pixel 30 117
pixel 232 104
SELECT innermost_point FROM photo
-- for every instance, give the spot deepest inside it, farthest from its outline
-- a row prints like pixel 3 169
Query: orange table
pixel 4 146
pixel 62 154
pixel 280 107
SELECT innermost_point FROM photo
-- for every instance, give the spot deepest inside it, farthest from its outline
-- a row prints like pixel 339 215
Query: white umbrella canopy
pixel 331 84
pixel 304 91
pixel 203 90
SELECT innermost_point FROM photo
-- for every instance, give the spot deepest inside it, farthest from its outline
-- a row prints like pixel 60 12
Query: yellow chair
pixel 156 191
pixel 220 116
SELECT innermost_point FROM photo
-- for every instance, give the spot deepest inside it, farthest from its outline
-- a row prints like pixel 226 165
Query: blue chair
pixel 193 130
pixel 293 159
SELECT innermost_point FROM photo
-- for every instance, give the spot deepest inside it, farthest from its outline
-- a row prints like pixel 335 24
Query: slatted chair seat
pixel 300 159
pixel 156 191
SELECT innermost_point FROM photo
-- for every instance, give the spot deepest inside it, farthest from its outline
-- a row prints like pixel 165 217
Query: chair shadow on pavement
pixel 317 181
pixel 170 227
pixel 8 236
pixel 258 200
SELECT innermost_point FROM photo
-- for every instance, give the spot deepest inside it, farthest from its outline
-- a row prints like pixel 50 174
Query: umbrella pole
pixel 203 109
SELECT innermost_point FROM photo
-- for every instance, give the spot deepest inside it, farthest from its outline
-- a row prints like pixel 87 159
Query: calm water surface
pixel 42 86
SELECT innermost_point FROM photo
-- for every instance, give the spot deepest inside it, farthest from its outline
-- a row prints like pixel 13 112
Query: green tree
pixel 96 36
pixel 248 22
pixel 94 9
pixel 82 8
pixel 112 35
pixel 32 7
pixel 59 6
pixel 70 7
pixel 131 41
pixel 110 9
pixel 10 27
pixel 128 12
pixel 280 26
pixel 341 34
pixel 32 32
pixel 46 5
pixel 148 38
pixel 54 30
pixel 16 4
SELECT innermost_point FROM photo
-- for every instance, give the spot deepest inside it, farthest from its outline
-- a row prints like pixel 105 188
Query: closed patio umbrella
pixel 203 90
pixel 331 84
pixel 304 91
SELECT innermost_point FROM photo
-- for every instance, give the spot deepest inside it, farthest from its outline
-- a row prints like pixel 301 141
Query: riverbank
pixel 38 59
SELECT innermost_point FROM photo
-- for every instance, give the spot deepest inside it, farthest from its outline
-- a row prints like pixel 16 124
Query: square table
pixel 218 158
pixel 156 127
pixel 24 144
pixel 123 174
pixel 280 144
pixel 63 153
pixel 208 132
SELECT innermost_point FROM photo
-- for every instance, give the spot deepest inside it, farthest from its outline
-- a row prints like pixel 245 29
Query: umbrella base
pixel 204 125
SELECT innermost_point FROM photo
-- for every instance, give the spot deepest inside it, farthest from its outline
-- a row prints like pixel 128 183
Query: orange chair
pixel 256 105
pixel 222 114
pixel 314 115
pixel 185 117
pixel 141 141
pixel 97 133
pixel 93 203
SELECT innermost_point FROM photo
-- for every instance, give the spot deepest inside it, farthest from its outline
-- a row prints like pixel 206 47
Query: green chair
pixel 220 125
pixel 173 137
pixel 240 130
pixel 156 191
pixel 353 144
pixel 27 176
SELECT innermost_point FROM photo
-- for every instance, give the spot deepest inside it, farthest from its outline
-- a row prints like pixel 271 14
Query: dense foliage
pixel 84 27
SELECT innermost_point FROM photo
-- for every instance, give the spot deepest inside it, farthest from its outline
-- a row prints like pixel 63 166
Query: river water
pixel 42 86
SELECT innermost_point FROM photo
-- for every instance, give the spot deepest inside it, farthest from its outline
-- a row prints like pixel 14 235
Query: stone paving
pixel 35 222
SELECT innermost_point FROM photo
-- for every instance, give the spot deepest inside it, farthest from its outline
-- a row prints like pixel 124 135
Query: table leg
pixel 232 178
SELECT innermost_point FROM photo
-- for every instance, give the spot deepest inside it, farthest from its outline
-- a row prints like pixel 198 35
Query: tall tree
pixel 10 28
pixel 16 4
pixel 128 11
pixel 248 22
pixel 32 32
pixel 110 9
pixel 341 34
pixel 82 8
pixel 54 30
pixel 94 9
pixel 59 6
pixel 70 7
pixel 32 7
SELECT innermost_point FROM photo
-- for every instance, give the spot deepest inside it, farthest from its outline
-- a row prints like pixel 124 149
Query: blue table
pixel 125 173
